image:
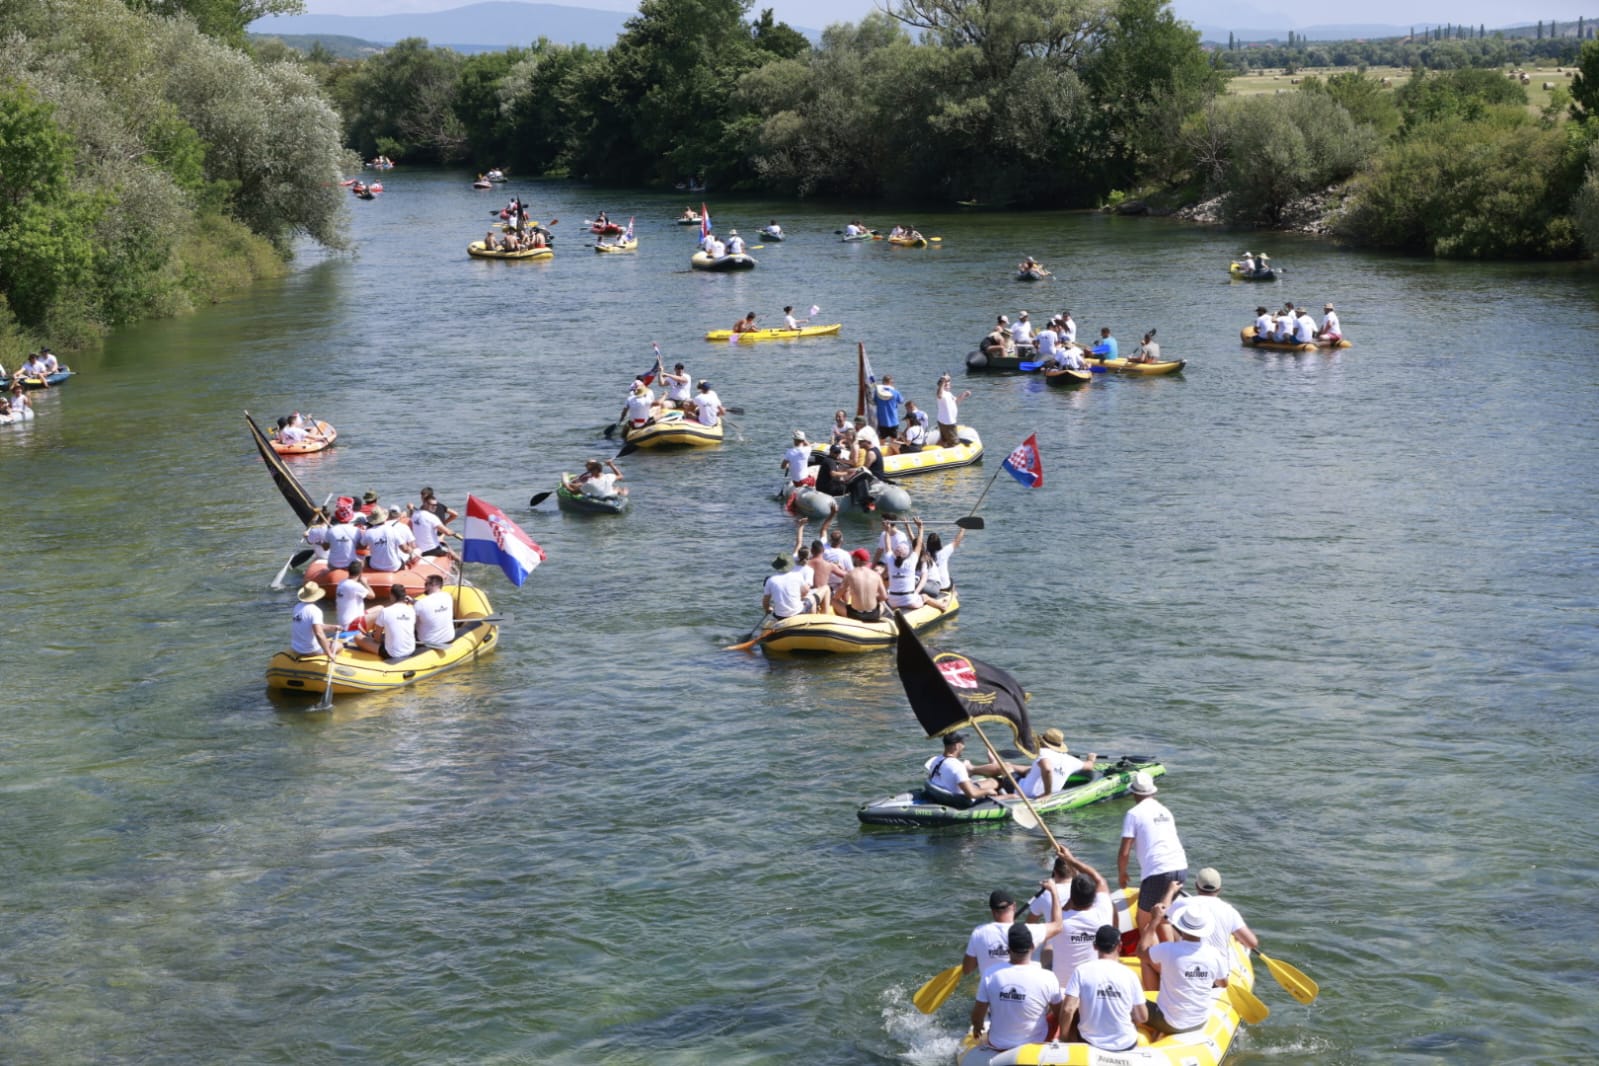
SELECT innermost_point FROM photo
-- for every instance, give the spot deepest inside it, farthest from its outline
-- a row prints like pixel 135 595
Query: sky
pixel 1252 14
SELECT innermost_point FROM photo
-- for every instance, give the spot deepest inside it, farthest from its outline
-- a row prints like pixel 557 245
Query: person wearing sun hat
pixel 797 460
pixel 1162 862
pixel 1021 334
pixel 1186 971
pixel 1331 328
pixel 1226 923
pixel 1054 766
pixel 311 633
pixel 1246 263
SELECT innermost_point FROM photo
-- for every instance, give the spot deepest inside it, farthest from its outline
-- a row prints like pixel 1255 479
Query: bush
pixel 1271 150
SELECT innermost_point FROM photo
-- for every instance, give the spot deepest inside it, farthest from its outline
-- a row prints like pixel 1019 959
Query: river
pixel 1347 598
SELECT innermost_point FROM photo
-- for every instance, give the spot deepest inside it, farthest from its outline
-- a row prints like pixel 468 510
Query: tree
pixel 778 38
pixel 1006 31
pixel 1585 83
pixel 225 19
pixel 1367 102
pixel 406 96
pixel 1467 94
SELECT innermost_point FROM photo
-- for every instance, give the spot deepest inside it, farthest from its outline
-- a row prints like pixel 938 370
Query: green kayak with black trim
pixel 919 808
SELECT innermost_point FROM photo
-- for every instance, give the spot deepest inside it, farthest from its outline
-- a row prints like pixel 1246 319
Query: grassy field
pixel 1257 82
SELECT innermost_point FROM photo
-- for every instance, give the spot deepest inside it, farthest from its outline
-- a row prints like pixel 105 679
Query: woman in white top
pixel 904 580
pixel 936 580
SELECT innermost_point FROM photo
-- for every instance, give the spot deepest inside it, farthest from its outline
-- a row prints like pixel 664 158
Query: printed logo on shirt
pixel 1109 992
pixel 1200 972
pixel 1013 993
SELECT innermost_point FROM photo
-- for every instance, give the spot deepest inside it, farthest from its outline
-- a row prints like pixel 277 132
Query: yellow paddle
pixel 932 995
pixel 759 634
pixel 1247 1004
pixel 1293 981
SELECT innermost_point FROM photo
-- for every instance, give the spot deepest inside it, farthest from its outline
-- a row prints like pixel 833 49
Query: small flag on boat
pixel 491 537
pixel 816 309
pixel 648 377
pixel 1024 465
pixel 866 368
pixel 705 221
pixel 627 234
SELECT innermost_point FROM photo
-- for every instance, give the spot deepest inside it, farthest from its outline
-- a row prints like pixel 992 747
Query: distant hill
pixel 340 47
pixel 474 28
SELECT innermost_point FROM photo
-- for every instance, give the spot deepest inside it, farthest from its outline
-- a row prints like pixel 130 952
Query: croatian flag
pixel 705 221
pixel 491 537
pixel 1024 465
pixel 627 234
pixel 866 366
pixel 648 376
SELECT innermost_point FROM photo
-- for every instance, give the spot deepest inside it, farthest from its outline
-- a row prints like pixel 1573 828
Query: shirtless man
pixel 746 324
pixel 863 594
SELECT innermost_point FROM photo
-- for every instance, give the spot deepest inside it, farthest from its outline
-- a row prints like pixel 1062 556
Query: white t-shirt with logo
pixel 638 407
pixel 1154 833
pixel 388 546
pixel 399 629
pixel 1074 944
pixel 425 526
pixel 1061 766
pixel 435 618
pixel 307 616
pixel 1189 970
pixel 989 944
pixel 1019 999
pixel 1224 917
pixel 798 459
pixel 1106 992
pixel 340 539
pixel 351 597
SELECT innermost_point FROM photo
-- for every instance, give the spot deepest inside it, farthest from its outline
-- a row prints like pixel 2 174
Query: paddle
pixel 1031 819
pixel 757 635
pixel 1029 366
pixel 932 995
pixel 1296 983
pixel 626 450
pixel 965 522
pixel 299 558
pixel 1247 1004
pixel 540 497
pixel 327 693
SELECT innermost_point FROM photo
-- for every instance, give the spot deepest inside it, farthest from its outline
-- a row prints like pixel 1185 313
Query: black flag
pixel 304 509
pixel 949 690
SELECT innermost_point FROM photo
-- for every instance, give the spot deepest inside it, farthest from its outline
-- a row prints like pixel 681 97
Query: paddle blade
pixel 1022 815
pixel 1247 1004
pixel 1294 982
pixel 932 995
pixel 626 450
pixel 747 645
pixel 971 522
pixel 539 498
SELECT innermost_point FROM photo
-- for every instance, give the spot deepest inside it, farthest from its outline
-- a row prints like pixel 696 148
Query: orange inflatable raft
pixel 324 436
pixel 379 581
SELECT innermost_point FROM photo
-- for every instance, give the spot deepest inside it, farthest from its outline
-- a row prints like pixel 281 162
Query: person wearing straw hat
pixel 1227 924
pixel 1162 863
pixel 1331 329
pixel 1186 970
pixel 311 633
pixel 797 461
pixel 1054 766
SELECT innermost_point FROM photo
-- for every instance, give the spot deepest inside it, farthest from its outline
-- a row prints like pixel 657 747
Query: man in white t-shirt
pixel 708 405
pixel 1021 1000
pixel 1086 907
pixel 1331 330
pixel 640 407
pixel 1110 997
pixel 1188 970
pixel 435 614
pixel 788 592
pixel 676 382
pixel 948 412
pixel 1045 342
pixel 310 634
pixel 1161 859
pixel 1304 326
pixel 949 777
pixel 1227 924
pixel 393 632
pixel 988 946
pixel 390 545
pixel 351 595
pixel 429 531
pixel 797 459
pixel 1021 334
pixel 1054 765
pixel 597 482
pixel 341 539
pixel 1264 325
pixel 1068 328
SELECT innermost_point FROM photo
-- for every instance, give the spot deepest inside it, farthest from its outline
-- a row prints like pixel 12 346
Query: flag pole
pixel 994 755
pixel 860 377
pixel 984 493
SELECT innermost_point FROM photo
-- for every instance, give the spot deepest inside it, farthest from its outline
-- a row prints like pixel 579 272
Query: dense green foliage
pixel 1422 52
pixel 146 166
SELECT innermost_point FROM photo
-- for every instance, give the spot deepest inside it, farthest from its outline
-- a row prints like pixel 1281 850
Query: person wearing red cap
pixel 338 540
pixel 863 593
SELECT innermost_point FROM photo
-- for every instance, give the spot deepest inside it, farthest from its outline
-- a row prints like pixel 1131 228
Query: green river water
pixel 1348 599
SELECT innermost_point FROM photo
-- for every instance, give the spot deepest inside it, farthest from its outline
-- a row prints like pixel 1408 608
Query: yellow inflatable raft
pixel 824 634
pixel 1247 336
pixel 477 250
pixel 359 671
pixel 672 430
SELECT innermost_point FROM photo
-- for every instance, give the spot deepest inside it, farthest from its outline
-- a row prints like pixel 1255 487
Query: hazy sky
pixel 1252 14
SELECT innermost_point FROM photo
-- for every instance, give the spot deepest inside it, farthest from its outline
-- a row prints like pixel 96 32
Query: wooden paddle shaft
pixel 1014 784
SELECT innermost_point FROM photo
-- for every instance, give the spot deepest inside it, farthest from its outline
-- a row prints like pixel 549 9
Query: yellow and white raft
pixel 824 634
pixel 673 430
pixel 1205 1046
pixel 359 671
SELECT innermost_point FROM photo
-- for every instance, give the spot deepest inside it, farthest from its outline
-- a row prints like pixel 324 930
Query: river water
pixel 1349 599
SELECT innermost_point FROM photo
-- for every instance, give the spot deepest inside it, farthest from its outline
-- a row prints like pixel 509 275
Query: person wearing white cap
pixel 1161 859
pixel 1226 923
pixel 1021 334
pixel 797 459
pixel 1246 263
pixel 1186 970
pixel 1331 329
pixel 735 243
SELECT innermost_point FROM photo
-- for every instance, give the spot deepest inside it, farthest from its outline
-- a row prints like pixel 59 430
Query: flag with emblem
pixel 491 537
pixel 705 221
pixel 948 690
pixel 1024 465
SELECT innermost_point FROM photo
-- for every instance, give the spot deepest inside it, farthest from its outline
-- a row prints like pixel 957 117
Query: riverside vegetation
pixel 151 158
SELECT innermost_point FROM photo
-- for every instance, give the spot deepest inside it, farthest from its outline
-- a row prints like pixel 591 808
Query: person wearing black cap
pixel 949 777
pixel 1111 998
pixel 988 948
pixel 1023 998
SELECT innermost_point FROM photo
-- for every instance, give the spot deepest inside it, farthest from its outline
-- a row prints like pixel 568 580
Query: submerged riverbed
pixel 1348 598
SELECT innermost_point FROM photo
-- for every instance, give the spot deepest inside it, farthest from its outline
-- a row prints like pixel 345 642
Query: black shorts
pixel 1152 889
pixel 874 615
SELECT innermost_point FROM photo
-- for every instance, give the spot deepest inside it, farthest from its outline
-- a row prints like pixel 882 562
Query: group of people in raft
pixel 1056 344
pixel 365 536
pixel 643 408
pixel 39 365
pixel 1050 968
pixel 825 578
pixel 1293 325
pixel 297 429
pixel 521 232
